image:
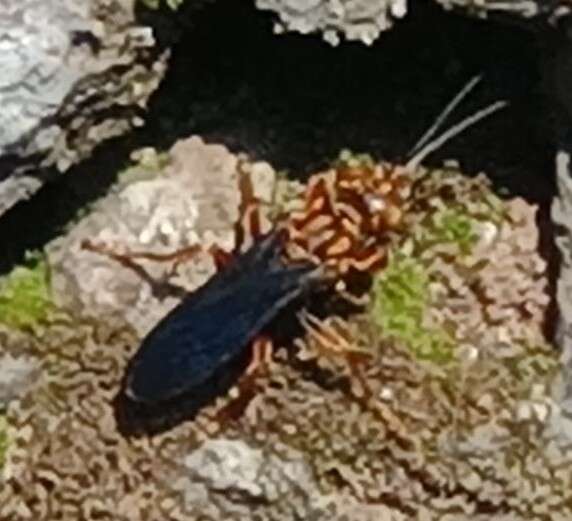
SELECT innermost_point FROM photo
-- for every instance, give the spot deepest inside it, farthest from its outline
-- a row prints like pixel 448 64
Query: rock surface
pixel 365 20
pixel 362 20
pixel 562 216
pixel 72 74
pixel 165 204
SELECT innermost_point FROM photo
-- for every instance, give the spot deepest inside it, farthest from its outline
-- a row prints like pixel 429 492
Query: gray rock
pixel 365 20
pixel 225 478
pixel 17 374
pixel 356 20
pixel 193 199
pixel 72 74
pixel 562 215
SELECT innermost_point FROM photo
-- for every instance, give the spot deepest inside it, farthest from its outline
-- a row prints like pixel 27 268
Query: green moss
pixel 454 227
pixel 25 294
pixel 399 305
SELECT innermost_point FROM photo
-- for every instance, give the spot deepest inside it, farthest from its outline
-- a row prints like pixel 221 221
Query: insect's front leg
pixel 163 287
pixel 247 386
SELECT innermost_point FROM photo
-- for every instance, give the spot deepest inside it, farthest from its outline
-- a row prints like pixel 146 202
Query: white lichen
pixel 361 20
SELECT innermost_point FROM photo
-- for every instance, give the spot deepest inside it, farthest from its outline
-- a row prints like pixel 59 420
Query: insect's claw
pixel 95 247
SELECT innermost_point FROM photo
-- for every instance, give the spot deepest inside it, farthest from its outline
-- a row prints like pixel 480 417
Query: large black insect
pixel 212 326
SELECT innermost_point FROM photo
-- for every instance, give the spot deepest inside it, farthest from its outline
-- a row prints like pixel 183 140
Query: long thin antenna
pixel 451 106
pixel 454 131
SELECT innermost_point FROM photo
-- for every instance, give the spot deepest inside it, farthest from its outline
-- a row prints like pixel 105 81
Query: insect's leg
pixel 128 259
pixel 251 223
pixel 332 337
pixel 262 349
pixel 159 288
pixel 186 253
pixel 221 257
pixel 247 386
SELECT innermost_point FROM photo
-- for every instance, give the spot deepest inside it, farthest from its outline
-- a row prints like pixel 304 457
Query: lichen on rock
pixel 561 212
pixel 363 20
pixel 188 197
pixel 74 74
pixel 25 298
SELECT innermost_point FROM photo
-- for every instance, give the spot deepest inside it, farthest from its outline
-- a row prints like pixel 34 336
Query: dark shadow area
pixel 137 419
pixel 296 101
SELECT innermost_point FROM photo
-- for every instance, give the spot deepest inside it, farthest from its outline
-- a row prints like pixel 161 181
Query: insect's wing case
pixel 212 326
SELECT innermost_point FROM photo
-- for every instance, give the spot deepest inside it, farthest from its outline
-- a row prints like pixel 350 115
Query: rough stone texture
pixel 72 74
pixel 193 201
pixel 562 216
pixel 518 8
pixel 507 295
pixel 15 377
pixel 364 20
pixel 356 20
pixel 19 368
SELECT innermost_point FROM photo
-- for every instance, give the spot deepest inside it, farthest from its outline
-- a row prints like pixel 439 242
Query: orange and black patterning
pixel 346 217
pixel 342 226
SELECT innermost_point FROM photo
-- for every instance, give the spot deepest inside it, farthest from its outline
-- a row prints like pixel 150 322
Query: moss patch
pixel 25 294
pixel 450 226
pixel 399 305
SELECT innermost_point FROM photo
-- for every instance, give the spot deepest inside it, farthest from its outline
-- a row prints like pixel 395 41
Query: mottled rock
pixel 395 438
pixel 362 20
pixel 17 375
pixel 73 74
pixel 365 20
pixel 192 199
pixel 562 216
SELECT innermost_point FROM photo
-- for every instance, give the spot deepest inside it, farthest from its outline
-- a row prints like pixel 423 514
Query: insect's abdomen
pixel 214 325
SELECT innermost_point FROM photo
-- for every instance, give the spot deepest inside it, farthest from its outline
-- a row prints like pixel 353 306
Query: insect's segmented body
pixel 343 226
pixel 348 212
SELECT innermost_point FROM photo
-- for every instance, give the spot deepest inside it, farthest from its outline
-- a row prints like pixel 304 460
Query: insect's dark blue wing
pixel 212 326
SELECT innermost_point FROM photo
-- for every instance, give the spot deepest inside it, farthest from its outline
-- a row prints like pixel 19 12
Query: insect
pixel 212 326
pixel 341 229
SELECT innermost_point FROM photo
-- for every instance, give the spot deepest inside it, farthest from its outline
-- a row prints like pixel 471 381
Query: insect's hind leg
pixel 248 385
